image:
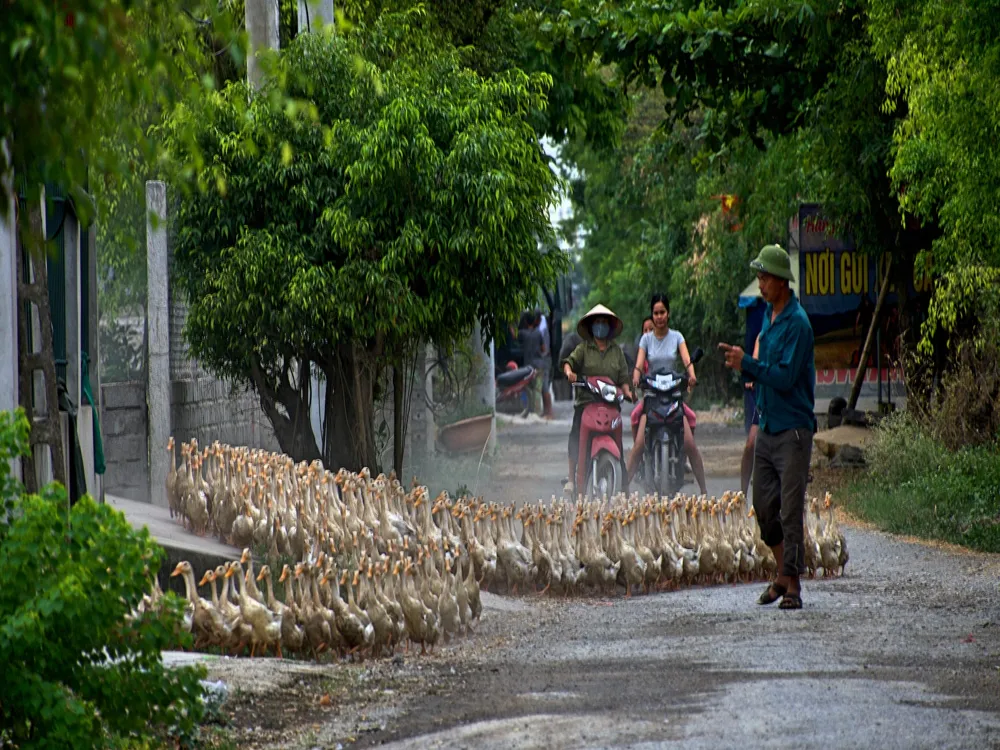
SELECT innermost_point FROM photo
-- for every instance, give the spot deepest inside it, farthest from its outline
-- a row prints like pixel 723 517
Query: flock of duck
pixel 366 564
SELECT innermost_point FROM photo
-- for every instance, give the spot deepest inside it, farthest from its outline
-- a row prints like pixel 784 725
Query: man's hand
pixel 570 375
pixel 734 356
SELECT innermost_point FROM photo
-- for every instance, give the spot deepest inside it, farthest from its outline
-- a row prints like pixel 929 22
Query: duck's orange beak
pixel 178 570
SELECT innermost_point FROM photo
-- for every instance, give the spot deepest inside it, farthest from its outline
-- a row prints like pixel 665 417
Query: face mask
pixel 600 329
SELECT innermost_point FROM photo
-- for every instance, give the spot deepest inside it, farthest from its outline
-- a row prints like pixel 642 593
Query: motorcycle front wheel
pixel 656 468
pixel 605 476
pixel 674 465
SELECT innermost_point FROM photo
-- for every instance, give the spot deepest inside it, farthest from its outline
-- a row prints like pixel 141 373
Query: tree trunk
pixel 350 411
pixel 398 443
pixel 293 429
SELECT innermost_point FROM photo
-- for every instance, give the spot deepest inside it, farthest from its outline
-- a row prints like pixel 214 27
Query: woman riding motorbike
pixel 595 356
pixel 663 348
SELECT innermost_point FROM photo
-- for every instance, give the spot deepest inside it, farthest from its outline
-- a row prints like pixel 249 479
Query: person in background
pixel 595 356
pixel 785 374
pixel 543 327
pixel 752 423
pixel 531 344
pixel 647 326
pixel 664 349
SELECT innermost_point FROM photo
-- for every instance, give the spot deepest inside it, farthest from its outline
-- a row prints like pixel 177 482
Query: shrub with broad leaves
pixel 79 669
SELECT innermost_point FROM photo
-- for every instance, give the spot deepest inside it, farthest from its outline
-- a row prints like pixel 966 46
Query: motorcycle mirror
pixel 697 356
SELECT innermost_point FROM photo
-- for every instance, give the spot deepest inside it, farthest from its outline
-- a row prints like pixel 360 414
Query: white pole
pixel 158 353
pixel 313 14
pixel 262 28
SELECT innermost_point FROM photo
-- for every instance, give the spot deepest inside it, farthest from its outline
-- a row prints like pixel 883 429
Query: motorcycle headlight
pixel 609 393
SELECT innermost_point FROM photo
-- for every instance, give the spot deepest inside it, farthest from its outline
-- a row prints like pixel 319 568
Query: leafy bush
pixel 77 672
pixel 957 384
pixel 917 486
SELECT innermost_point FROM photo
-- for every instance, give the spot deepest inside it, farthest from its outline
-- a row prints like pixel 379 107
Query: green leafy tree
pixel 943 61
pixel 652 209
pixel 77 671
pixel 763 72
pixel 70 60
pixel 583 102
pixel 398 198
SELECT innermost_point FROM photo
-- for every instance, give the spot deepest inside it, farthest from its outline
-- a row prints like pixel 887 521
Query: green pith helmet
pixel 774 260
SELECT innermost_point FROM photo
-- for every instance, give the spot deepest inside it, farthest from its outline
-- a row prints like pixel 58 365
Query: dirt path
pixel 904 651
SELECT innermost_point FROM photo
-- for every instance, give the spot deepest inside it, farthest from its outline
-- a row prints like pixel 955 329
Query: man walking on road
pixel 785 374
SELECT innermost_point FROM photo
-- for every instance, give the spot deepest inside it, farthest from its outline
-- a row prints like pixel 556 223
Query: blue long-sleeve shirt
pixel 785 371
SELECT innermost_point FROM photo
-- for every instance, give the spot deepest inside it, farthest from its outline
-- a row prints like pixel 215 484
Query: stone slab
pixel 832 442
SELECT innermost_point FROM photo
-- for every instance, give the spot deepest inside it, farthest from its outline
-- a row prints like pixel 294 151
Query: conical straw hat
pixel 583 327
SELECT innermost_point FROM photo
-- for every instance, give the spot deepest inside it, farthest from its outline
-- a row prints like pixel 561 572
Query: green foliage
pixel 199 57
pixel 77 671
pixel 583 101
pixel 944 62
pixel 966 305
pixel 13 444
pixel 637 205
pixel 654 221
pixel 399 197
pixel 916 486
pixel 959 337
pixel 70 61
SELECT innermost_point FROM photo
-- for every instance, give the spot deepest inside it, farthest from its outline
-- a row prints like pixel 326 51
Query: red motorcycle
pixel 511 384
pixel 601 450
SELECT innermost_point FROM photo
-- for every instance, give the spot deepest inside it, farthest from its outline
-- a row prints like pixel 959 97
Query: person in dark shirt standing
pixel 532 346
pixel 785 374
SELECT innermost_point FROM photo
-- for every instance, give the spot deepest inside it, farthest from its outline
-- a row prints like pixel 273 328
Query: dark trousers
pixel 780 473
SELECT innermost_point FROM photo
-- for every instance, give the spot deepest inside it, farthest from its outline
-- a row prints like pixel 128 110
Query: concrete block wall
pixel 124 430
pixel 182 367
pixel 201 405
pixel 209 409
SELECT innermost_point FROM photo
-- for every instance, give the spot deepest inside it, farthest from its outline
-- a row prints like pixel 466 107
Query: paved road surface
pixel 902 652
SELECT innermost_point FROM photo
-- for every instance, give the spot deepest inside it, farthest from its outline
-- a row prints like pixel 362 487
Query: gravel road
pixel 901 652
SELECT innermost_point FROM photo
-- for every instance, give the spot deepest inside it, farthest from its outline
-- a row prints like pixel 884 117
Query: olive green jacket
pixel 587 361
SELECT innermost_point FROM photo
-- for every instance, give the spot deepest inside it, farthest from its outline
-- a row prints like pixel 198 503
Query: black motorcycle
pixel 663 405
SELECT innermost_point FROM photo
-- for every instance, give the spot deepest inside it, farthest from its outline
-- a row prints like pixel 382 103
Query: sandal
pixel 772 593
pixel 790 601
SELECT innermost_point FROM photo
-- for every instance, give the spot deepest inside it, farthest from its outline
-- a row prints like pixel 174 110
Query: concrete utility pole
pixel 262 27
pixel 158 351
pixel 314 13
